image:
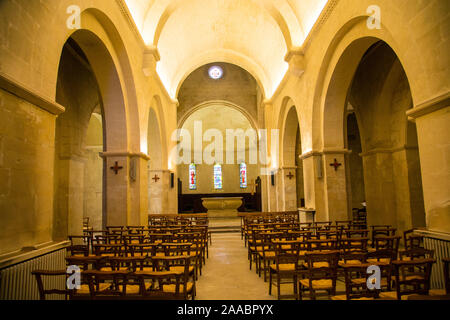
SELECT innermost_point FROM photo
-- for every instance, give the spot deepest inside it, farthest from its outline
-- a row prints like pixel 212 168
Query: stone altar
pixel 222 207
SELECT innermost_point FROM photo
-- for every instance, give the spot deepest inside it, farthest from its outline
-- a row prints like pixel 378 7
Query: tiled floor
pixel 226 275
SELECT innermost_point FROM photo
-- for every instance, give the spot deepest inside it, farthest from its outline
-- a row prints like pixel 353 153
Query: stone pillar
pixel 70 197
pixel 432 120
pixel 379 185
pixel 335 184
pixel 313 183
pixel 117 190
pixel 139 189
pixel 158 191
pixel 288 183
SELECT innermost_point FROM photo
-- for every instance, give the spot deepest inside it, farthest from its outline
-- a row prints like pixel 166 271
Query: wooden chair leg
pixel 295 287
pixel 278 285
pixel 300 291
pixel 270 282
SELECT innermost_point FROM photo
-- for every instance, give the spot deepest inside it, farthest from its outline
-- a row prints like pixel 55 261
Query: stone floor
pixel 226 275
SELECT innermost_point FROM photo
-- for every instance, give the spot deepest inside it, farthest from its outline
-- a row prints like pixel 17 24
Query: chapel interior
pixel 224 150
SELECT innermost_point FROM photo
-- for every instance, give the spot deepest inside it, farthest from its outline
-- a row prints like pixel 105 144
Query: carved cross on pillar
pixel 290 175
pixel 156 178
pixel 116 168
pixel 336 165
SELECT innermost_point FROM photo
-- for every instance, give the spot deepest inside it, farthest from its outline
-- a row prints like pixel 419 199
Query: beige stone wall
pixel 26 168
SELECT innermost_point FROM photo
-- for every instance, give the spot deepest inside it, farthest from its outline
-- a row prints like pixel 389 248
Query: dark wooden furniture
pixel 321 274
pixel 44 292
pixel 286 267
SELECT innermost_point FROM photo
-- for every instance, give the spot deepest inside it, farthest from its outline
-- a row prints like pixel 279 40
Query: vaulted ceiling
pixel 254 34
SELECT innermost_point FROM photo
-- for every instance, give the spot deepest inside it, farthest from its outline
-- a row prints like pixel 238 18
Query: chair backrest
pixel 287 252
pixel 412 276
pixel 322 245
pixel 411 240
pixel 380 255
pixel 387 242
pixel 417 253
pixel 356 277
pixel 349 245
pixel 79 245
pixel 44 292
pixel 317 270
pixel 117 279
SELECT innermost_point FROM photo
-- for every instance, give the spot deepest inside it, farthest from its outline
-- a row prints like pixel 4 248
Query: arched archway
pixel 96 87
pixel 290 189
pixel 371 78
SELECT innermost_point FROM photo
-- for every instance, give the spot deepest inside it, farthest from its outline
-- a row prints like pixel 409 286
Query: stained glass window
pixel 243 175
pixel 192 177
pixel 218 176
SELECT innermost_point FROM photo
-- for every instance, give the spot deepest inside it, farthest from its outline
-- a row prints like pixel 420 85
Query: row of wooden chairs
pixel 270 244
pixel 163 277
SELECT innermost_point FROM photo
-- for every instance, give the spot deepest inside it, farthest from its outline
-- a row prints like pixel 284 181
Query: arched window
pixel 243 175
pixel 192 177
pixel 218 177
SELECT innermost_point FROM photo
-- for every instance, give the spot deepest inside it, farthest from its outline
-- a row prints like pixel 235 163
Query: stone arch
pixel 156 128
pixel 340 61
pixel 384 155
pixel 116 96
pixel 227 56
pixel 206 104
pixel 291 186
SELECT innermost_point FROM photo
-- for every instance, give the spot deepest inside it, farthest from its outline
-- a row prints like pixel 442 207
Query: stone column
pixel 70 197
pixel 314 184
pixel 335 184
pixel 432 120
pixel 288 182
pixel 117 189
pixel 158 191
pixel 379 186
pixel 126 191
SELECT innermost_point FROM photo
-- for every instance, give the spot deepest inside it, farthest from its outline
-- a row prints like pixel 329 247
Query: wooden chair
pixel 356 277
pixel 182 284
pixel 285 269
pixel 411 240
pixel 381 230
pixel 86 226
pixel 383 259
pixel 43 292
pixel 387 243
pixel 104 285
pixel 266 252
pixel 353 251
pixel 410 277
pixel 321 274
pixel 79 245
